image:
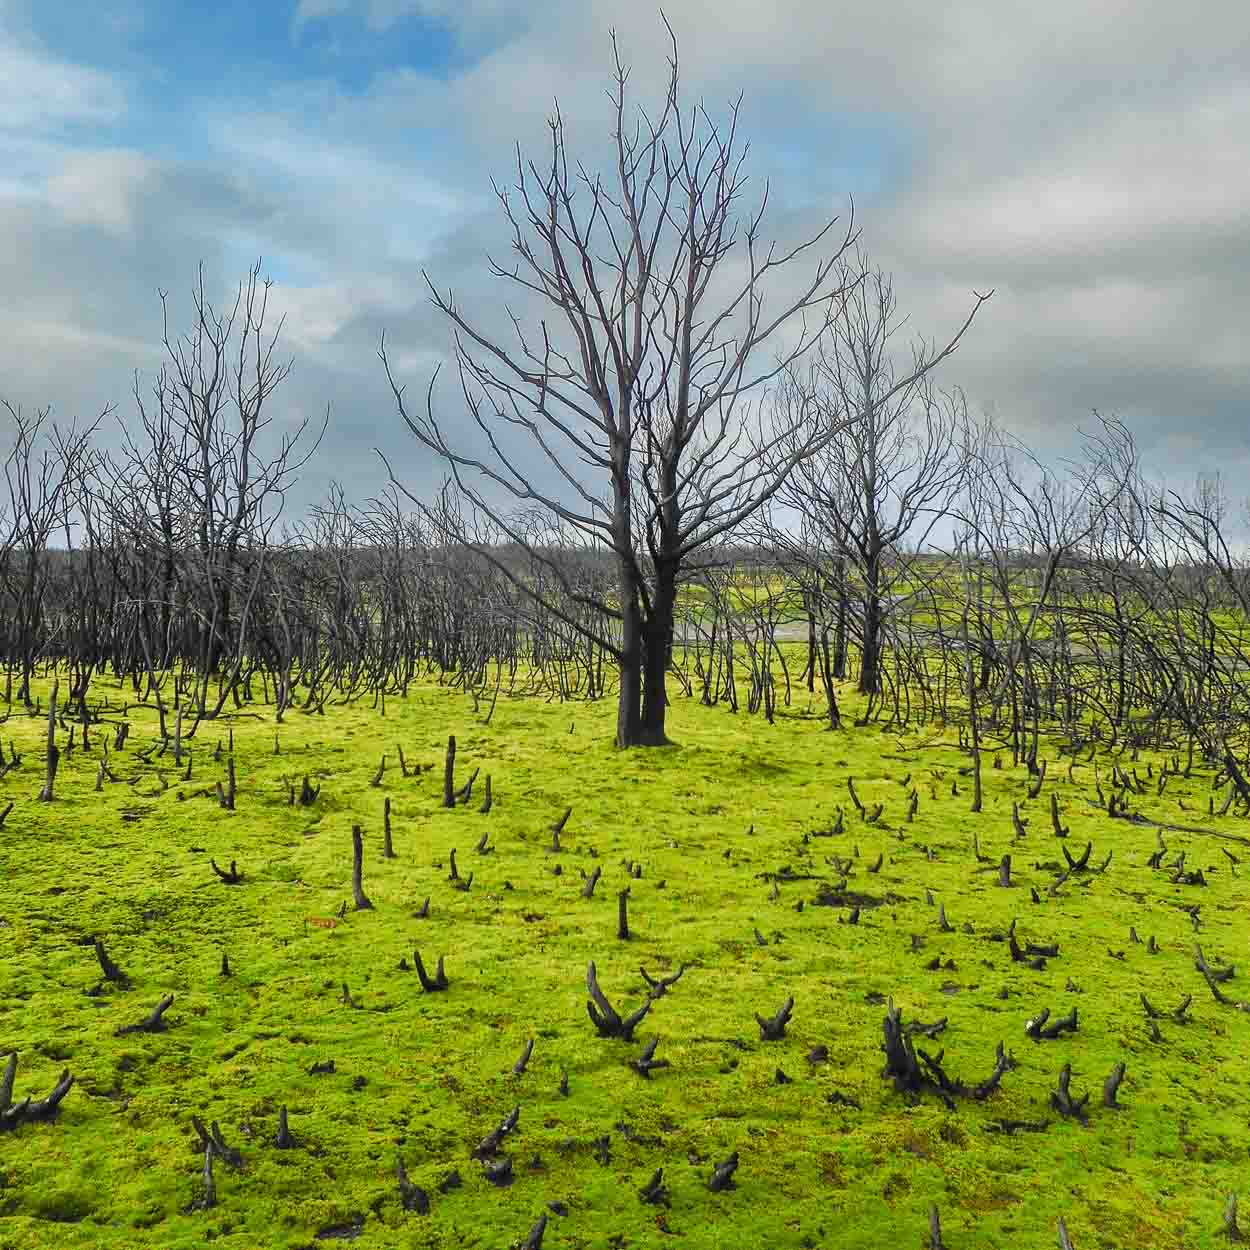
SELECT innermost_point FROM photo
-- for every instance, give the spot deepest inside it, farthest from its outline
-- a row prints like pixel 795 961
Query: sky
pixel 1088 162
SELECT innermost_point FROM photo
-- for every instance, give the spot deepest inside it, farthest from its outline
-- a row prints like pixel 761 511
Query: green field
pixel 833 1157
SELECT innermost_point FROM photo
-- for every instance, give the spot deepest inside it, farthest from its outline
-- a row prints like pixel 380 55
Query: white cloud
pixel 39 91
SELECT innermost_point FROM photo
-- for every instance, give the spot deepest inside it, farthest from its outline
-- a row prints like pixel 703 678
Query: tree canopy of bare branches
pixel 634 396
pixel 889 470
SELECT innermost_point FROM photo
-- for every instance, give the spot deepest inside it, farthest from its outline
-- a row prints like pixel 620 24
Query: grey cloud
pixel 1087 161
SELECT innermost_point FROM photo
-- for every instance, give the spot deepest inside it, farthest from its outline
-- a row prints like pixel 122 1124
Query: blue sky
pixel 234 45
pixel 1087 162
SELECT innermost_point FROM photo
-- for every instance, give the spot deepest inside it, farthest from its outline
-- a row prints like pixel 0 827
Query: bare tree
pixel 210 490
pixel 1039 521
pixel 887 474
pixel 42 472
pixel 636 400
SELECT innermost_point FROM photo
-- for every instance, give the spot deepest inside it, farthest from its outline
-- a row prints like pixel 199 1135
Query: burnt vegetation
pixel 870 549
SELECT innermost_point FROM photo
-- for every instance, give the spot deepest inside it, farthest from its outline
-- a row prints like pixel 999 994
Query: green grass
pixel 119 1167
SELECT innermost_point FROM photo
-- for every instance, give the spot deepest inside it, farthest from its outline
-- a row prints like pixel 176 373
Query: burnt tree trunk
pixel 870 657
pixel 657 655
pixel 629 704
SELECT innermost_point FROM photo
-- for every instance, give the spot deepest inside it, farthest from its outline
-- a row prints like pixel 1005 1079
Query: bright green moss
pixel 430 1075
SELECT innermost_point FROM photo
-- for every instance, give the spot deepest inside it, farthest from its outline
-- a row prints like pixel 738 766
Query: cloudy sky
pixel 1088 161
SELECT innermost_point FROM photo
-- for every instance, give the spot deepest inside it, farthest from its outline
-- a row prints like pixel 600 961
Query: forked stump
pixel 12 1114
pixel 773 1029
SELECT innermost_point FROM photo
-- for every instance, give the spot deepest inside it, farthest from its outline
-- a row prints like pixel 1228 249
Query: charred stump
pixel 358 894
pixel 449 773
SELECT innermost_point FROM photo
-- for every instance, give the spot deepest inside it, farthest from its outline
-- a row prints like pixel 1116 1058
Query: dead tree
pixel 558 828
pixel 655 1191
pixel 212 1140
pixel 661 987
pixel 226 795
pixel 522 1063
pixel 1039 1030
pixel 1231 1230
pixel 638 376
pixel 488 1147
pixel 465 793
pixel 534 1239
pixel 1111 1087
pixel 227 877
pixel 1061 831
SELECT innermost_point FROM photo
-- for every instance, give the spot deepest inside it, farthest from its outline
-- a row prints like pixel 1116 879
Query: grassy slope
pixel 118 1168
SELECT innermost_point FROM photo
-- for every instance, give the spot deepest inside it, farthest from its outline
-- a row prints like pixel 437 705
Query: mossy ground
pixel 429 1075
